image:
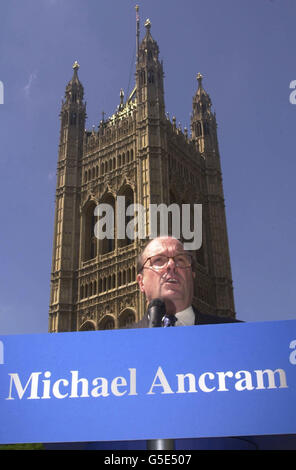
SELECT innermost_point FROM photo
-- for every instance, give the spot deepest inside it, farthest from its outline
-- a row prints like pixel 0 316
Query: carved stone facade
pixel 140 154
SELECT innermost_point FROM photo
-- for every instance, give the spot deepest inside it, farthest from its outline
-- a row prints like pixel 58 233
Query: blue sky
pixel 246 52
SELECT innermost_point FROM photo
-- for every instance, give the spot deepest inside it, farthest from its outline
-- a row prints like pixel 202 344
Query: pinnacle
pixel 75 66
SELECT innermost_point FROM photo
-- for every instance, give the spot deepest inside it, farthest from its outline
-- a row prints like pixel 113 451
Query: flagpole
pixel 137 30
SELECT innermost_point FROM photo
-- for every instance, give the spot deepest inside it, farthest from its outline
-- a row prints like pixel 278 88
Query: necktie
pixel 169 320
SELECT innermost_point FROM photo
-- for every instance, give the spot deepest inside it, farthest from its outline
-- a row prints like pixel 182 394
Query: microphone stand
pixel 156 311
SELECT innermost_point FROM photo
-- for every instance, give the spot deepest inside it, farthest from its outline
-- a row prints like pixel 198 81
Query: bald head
pixel 171 282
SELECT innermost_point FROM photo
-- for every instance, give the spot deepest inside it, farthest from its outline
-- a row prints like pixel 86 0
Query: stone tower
pixel 140 154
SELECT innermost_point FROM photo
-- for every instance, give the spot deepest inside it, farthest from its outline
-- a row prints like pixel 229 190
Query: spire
pixel 148 46
pixel 74 89
pixel 203 121
pixel 75 78
pixel 149 76
pixel 148 25
pixel 75 66
pixel 201 102
pixel 148 38
pixel 73 112
pixel 199 78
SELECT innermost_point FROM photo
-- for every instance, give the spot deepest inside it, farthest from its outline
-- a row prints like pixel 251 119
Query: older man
pixel 165 271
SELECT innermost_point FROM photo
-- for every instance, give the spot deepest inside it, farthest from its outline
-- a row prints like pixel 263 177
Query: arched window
pixel 127 317
pixel 142 77
pixel 107 323
pixel 127 192
pixel 198 129
pixel 150 76
pixel 90 240
pixel 107 244
pixel 87 326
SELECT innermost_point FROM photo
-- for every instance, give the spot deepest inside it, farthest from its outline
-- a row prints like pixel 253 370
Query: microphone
pixel 156 312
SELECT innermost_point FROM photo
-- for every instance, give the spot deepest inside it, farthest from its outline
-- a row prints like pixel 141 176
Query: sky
pixel 246 53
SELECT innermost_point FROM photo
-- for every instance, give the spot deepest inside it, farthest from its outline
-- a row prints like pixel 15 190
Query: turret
pixel 203 120
pixel 149 78
pixel 73 112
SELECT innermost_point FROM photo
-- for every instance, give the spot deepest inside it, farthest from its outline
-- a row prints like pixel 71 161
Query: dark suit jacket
pixel 200 319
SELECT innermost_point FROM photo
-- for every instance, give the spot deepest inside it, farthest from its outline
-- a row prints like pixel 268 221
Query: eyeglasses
pixel 161 261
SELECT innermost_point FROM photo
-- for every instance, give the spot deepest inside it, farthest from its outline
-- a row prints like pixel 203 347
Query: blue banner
pixel 200 381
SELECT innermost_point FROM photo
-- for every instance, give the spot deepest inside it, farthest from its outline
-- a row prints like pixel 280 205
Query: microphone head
pixel 156 311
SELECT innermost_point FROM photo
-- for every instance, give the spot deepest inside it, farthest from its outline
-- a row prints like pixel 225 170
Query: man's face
pixel 173 284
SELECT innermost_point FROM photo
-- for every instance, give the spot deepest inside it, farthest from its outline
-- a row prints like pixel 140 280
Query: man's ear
pixel 141 282
pixel 193 274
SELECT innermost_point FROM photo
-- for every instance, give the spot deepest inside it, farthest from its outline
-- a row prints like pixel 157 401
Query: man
pixel 165 271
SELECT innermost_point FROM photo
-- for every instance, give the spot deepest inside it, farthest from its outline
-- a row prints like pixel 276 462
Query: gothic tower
pixel 66 228
pixel 215 238
pixel 140 154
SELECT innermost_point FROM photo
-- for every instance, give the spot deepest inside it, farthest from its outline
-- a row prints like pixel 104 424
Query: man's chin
pixel 171 296
pixel 171 290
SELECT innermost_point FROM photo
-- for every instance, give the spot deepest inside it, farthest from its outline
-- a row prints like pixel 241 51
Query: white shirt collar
pixel 185 317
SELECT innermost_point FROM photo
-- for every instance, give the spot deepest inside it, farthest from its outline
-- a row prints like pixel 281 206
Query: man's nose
pixel 171 266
